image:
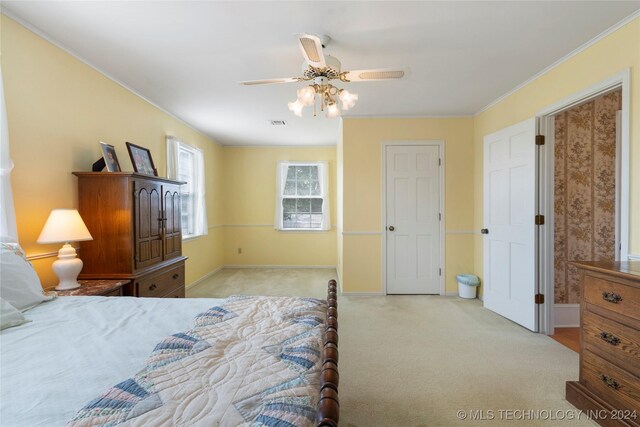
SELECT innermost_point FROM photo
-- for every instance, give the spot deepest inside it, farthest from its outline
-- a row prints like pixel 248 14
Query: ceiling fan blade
pixel 268 81
pixel 311 48
pixel 377 74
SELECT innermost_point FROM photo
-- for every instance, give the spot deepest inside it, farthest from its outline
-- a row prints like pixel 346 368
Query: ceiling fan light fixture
pixel 348 99
pixel 296 107
pixel 307 95
pixel 333 110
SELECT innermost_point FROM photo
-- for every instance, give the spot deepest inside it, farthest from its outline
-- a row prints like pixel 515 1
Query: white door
pixel 413 219
pixel 509 215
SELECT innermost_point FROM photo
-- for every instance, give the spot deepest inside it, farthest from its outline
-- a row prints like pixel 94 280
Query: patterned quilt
pixel 250 361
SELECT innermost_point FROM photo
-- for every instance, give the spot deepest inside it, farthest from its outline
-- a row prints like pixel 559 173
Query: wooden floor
pixel 568 337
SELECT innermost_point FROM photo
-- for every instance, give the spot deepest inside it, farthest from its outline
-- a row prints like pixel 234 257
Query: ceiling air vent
pixel 277 122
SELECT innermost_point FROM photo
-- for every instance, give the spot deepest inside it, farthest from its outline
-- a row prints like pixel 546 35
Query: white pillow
pixel 19 283
pixel 10 316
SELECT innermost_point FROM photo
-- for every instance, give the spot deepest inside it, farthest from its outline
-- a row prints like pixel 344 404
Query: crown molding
pixel 565 58
pixel 69 51
pixel 277 146
pixel 426 116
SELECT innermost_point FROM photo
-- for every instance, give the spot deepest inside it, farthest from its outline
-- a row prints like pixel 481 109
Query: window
pixel 186 163
pixel 302 202
pixel 186 168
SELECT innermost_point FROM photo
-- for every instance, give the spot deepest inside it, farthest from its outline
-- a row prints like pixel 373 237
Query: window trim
pixel 198 188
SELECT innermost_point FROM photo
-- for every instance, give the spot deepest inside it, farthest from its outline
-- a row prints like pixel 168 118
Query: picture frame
pixel 141 160
pixel 110 158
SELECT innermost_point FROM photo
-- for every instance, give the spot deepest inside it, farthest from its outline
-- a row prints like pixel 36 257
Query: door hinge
pixel 439 162
pixel 539 299
pixel 539 220
pixel 439 272
pixel 539 139
pixel 439 217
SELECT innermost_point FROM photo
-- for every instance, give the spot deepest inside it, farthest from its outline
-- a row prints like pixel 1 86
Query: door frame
pixel 383 146
pixel 546 121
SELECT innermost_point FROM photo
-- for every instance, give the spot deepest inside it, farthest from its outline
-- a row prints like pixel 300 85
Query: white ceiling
pixel 187 57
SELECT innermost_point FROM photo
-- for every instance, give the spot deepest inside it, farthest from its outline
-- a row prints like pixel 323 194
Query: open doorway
pixel 584 194
pixel 585 201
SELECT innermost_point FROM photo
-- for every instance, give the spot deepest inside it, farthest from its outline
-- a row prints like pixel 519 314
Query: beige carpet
pixel 418 360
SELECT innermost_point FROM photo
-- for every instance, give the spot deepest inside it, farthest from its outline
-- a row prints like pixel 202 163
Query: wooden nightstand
pixel 105 288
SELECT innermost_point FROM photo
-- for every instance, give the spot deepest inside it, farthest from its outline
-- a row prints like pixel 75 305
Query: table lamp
pixel 64 226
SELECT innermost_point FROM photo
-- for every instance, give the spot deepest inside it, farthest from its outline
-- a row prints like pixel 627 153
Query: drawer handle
pixel 611 297
pixel 610 338
pixel 175 276
pixel 610 382
pixel 153 287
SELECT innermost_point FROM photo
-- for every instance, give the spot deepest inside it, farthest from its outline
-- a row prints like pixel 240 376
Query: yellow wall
pixel 606 58
pixel 249 200
pixel 58 109
pixel 360 151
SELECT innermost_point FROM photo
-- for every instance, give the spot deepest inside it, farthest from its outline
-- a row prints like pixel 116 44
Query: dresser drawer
pixel 176 293
pixel 616 386
pixel 612 340
pixel 161 283
pixel 612 296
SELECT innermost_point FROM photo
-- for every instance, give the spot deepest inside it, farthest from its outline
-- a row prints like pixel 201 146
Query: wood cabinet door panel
pixel 148 221
pixel 172 221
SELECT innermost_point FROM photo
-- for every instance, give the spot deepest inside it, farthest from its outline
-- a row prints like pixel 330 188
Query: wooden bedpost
pixel 328 405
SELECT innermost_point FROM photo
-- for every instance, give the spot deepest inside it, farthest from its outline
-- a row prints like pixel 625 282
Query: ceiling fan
pixel 321 69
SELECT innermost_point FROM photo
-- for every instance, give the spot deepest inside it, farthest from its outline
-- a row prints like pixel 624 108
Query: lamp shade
pixel 64 225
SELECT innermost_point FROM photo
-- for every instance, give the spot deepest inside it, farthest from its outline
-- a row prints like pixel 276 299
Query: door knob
pixel 484 231
pixel 391 228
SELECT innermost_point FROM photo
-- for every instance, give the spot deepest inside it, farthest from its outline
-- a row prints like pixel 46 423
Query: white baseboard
pixel 633 257
pixel 333 267
pixel 381 294
pixel 566 315
pixel 362 294
pixel 203 278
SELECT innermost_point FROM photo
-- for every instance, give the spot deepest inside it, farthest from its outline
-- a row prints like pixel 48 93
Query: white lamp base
pixel 67 267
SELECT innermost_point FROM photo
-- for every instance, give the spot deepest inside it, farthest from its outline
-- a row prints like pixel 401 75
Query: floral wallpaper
pixel 585 159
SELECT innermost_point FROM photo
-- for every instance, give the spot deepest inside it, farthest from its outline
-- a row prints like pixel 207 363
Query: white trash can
pixel 467 285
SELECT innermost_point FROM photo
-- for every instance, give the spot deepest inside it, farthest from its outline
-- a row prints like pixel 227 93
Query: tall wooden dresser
pixel 137 234
pixel 609 382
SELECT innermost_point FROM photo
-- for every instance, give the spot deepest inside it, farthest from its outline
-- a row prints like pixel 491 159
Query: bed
pixel 76 351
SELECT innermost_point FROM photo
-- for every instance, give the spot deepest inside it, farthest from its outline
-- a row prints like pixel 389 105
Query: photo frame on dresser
pixel 110 158
pixel 141 160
